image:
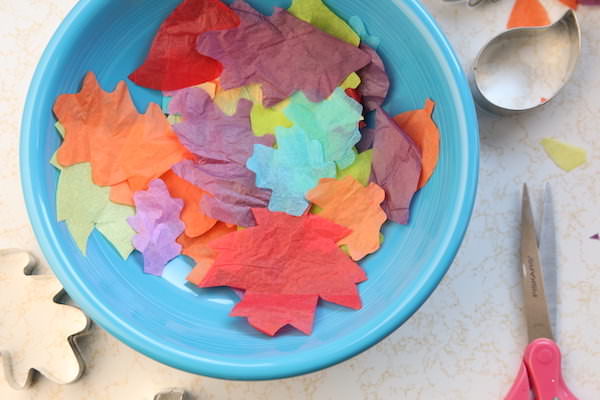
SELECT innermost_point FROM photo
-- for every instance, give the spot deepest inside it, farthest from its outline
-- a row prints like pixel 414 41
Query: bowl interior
pixel 189 328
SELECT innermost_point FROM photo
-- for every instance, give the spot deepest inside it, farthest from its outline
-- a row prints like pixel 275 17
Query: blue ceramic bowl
pixel 190 328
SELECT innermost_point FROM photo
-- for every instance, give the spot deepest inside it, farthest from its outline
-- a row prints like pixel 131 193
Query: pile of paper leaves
pixel 256 167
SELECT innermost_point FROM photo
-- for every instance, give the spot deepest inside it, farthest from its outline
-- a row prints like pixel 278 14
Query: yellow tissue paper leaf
pixel 265 120
pixel 351 82
pixel 318 14
pixel 564 155
pixel 361 169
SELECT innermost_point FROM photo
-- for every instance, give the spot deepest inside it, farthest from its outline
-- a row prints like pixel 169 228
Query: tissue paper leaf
pixel 375 81
pixel 84 205
pixel 212 135
pixel 285 264
pixel 421 128
pixel 361 169
pixel 157 225
pixel 233 189
pixel 265 120
pixel 396 166
pixel 227 100
pixel 121 144
pixel 318 14
pixel 528 13
pixel 196 222
pixel 197 249
pixel 564 155
pixel 332 122
pixel 173 62
pixel 348 203
pixel 291 170
pixel 283 53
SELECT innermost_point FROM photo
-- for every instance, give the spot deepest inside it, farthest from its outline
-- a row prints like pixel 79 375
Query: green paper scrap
pixel 265 120
pixel 360 169
pixel 318 14
pixel 564 155
pixel 332 122
pixel 84 205
pixel 359 27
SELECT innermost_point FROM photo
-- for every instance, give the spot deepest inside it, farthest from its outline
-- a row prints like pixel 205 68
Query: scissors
pixel 540 372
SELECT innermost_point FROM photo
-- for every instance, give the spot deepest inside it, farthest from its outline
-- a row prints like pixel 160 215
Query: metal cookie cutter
pixel 53 327
pixel 524 68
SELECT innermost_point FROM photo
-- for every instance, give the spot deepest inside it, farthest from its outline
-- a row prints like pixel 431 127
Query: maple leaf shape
pixel 30 302
pixel 157 225
pixel 283 53
pixel 232 188
pixel 212 135
pixel 333 122
pixel 122 145
pixel 291 170
pixel 173 62
pixel 198 249
pixel 285 264
pixel 422 130
pixel 348 203
pixel 196 222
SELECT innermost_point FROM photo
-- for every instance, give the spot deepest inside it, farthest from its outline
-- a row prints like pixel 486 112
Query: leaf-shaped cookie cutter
pixel 28 264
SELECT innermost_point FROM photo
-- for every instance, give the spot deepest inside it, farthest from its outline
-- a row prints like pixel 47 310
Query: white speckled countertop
pixel 466 341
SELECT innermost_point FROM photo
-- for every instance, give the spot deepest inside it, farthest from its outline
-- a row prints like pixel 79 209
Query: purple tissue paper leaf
pixel 396 166
pixel 212 135
pixel 595 237
pixel 157 225
pixel 283 53
pixel 233 189
pixel 375 83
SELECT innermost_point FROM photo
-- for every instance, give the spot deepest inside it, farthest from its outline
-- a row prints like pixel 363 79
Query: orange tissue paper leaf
pixel 122 145
pixel 196 222
pixel 348 203
pixel 285 264
pixel 197 249
pixel 421 128
pixel 528 13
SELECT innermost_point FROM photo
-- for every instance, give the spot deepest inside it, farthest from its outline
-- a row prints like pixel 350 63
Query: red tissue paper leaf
pixel 173 62
pixel 285 264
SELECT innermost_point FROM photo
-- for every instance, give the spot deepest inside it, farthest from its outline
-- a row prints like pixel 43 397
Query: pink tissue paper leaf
pixel 375 83
pixel 396 165
pixel 212 135
pixel 233 189
pixel 283 53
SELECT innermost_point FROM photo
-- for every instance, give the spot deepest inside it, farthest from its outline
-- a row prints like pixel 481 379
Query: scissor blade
pixel 536 309
pixel 548 255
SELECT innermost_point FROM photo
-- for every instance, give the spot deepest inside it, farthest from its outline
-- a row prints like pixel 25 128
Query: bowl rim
pixel 401 310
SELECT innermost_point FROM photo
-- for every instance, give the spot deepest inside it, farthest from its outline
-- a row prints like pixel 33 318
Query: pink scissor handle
pixel 543 360
pixel 541 374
